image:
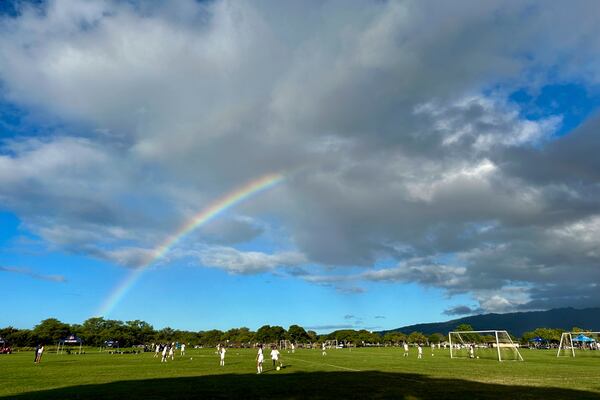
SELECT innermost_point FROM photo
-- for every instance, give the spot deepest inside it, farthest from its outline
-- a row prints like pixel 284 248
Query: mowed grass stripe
pixel 322 363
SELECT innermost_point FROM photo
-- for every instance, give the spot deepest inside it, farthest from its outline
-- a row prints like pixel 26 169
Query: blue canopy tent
pixel 569 341
pixel 582 338
pixel 70 340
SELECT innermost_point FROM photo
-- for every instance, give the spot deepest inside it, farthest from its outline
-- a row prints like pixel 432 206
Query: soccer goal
pixel 580 341
pixel 285 344
pixel 494 345
pixel 331 344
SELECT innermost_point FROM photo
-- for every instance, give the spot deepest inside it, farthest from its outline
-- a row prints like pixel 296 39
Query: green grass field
pixel 357 374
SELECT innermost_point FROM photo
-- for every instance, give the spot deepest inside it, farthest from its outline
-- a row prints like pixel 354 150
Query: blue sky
pixel 428 174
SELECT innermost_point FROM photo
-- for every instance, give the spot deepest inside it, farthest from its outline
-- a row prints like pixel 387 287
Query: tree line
pixel 96 331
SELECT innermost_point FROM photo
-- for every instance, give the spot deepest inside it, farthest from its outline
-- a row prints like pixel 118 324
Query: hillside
pixel 516 323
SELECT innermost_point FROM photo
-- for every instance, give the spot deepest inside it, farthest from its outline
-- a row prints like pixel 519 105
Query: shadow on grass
pixel 312 385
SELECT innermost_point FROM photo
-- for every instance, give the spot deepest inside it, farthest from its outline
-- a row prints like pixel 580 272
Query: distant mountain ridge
pixel 516 323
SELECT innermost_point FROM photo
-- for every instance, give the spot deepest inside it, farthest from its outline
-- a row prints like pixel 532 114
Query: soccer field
pixel 342 373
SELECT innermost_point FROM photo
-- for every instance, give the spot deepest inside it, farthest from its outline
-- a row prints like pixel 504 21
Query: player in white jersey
pixel 259 359
pixel 222 351
pixel 275 356
pixel 182 349
pixel 164 354
pixel 419 351
pixel 405 349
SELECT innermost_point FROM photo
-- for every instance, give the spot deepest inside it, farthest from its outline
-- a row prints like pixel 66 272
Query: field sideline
pixel 359 373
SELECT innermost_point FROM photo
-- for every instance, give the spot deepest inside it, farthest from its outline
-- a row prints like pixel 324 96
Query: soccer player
pixel 222 351
pixel 274 355
pixel 293 348
pixel 157 350
pixel 172 351
pixel 164 354
pixel 472 351
pixel 405 349
pixel 324 353
pixel 419 351
pixel 182 349
pixel 259 359
pixel 39 354
pixel 432 348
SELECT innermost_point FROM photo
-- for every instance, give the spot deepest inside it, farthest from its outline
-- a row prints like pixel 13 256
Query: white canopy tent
pixel 110 344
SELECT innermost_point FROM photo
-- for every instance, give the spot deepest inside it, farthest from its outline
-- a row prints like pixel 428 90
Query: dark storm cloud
pixel 461 310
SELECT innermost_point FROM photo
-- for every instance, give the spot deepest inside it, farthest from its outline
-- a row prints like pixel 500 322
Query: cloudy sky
pixel 439 159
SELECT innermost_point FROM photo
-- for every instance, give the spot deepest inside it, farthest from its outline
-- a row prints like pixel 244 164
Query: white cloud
pixel 32 274
pixel 249 262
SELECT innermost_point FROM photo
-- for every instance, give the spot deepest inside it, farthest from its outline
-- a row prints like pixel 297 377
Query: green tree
pixel 270 334
pixel 263 334
pixel 18 337
pixel 166 334
pixel 278 333
pixel 245 336
pixel 211 338
pixel 389 338
pixel 297 334
pixel 140 332
pixel 435 338
pixel 344 336
pixel 51 330
pixel 464 327
pixel 468 337
pixel 417 337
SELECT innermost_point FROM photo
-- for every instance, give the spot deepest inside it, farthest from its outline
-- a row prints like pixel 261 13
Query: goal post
pixel 580 341
pixel 285 344
pixel 331 344
pixel 492 344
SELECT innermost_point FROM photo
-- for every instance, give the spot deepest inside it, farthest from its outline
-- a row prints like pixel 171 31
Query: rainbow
pixel 207 214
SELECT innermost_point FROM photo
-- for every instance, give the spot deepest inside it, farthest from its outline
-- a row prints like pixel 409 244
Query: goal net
pixel 285 344
pixel 580 343
pixel 331 344
pixel 492 345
